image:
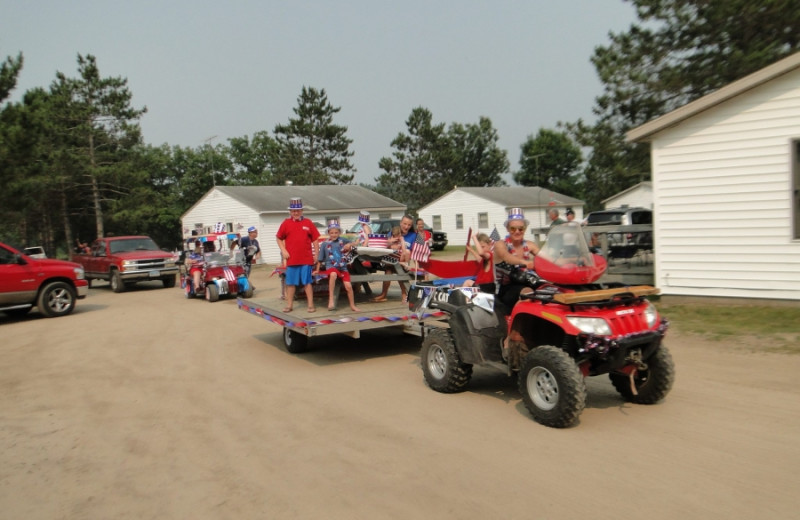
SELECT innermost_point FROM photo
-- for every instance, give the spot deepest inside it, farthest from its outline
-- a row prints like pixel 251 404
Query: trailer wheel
pixel 248 293
pixel 295 342
pixel 653 384
pixel 552 387
pixel 441 365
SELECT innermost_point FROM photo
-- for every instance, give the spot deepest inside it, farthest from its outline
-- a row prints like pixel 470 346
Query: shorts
pixel 195 269
pixel 298 275
pixel 343 275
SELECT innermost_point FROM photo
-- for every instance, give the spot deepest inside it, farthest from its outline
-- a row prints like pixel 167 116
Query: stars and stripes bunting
pixel 378 240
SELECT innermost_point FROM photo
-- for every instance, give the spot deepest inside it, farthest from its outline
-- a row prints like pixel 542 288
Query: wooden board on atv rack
pixel 603 294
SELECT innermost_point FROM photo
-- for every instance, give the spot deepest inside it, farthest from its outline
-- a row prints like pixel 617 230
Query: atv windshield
pixel 566 244
pixel 565 257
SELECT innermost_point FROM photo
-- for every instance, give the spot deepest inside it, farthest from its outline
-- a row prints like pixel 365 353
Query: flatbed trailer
pixel 299 325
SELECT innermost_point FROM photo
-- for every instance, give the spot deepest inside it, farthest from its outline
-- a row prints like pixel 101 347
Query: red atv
pixel 222 274
pixel 565 329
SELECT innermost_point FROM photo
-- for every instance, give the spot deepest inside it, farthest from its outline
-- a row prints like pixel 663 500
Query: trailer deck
pixel 299 324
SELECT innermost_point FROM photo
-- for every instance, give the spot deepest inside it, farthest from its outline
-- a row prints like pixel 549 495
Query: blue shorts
pixel 298 274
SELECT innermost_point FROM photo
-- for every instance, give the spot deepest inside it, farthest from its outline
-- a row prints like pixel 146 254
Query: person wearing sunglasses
pixel 515 250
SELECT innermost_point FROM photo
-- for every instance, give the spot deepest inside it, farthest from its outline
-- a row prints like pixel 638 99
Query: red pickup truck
pixel 126 260
pixel 51 285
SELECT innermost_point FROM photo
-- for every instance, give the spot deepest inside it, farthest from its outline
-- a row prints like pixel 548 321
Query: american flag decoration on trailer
pixel 378 240
pixel 420 252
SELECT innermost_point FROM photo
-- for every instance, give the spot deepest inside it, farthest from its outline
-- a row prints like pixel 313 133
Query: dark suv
pixel 620 217
pixel 384 227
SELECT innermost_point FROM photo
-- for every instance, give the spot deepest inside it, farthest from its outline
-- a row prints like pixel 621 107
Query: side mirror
pixel 19 260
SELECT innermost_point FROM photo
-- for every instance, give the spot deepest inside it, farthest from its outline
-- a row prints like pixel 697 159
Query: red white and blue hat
pixel 363 217
pixel 334 223
pixel 516 214
pixel 251 229
pixel 296 203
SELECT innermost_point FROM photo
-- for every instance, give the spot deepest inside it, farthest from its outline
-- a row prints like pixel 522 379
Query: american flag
pixel 378 241
pixel 494 236
pixel 420 252
pixel 220 227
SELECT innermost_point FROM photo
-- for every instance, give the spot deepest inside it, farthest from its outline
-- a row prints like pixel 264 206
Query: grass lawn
pixel 771 329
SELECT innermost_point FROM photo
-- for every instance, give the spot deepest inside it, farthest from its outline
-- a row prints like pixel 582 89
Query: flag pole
pixel 469 236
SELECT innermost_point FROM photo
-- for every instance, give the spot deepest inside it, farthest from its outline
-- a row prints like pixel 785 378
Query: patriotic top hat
pixel 334 223
pixel 516 214
pixel 363 217
pixel 296 203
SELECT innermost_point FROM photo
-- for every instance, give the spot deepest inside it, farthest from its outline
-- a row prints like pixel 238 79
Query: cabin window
pixel 459 221
pixel 483 220
pixel 437 222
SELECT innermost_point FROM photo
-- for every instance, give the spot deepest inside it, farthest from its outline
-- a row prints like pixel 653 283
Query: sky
pixel 208 71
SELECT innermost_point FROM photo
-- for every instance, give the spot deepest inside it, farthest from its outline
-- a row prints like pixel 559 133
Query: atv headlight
pixel 650 314
pixel 79 273
pixel 597 326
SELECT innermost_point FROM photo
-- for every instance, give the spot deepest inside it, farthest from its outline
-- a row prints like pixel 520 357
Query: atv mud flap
pixel 478 335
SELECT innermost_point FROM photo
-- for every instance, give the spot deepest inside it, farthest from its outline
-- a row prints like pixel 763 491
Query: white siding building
pixel 726 175
pixel 237 208
pixel 484 209
pixel 638 196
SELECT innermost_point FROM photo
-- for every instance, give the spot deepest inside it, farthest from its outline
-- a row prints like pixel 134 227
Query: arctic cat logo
pixel 441 296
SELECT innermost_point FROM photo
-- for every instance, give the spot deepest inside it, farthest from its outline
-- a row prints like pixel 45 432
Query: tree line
pixel 73 164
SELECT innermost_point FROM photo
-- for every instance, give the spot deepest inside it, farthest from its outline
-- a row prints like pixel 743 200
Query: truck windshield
pixel 132 244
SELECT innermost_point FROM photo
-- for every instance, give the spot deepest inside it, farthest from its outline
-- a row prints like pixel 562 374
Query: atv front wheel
pixel 652 384
pixel 552 387
pixel 441 365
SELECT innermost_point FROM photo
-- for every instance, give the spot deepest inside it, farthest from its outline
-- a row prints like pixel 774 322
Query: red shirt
pixel 298 236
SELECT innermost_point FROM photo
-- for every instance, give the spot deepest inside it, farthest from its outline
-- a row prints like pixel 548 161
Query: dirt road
pixel 146 405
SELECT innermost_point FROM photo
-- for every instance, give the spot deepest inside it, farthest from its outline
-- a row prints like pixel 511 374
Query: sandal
pixel 287 309
pixel 312 309
pixel 378 299
pixel 332 308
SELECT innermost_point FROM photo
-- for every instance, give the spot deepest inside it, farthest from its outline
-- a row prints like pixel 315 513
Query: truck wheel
pixel 56 299
pixel 117 285
pixel 552 387
pixel 248 293
pixel 169 282
pixel 441 365
pixel 295 342
pixel 653 384
pixel 212 292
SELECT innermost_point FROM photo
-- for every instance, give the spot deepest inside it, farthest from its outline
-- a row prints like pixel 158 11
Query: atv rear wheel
pixel 552 387
pixel 441 365
pixel 652 384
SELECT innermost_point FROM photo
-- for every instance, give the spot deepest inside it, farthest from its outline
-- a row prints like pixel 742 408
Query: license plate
pixel 154 274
